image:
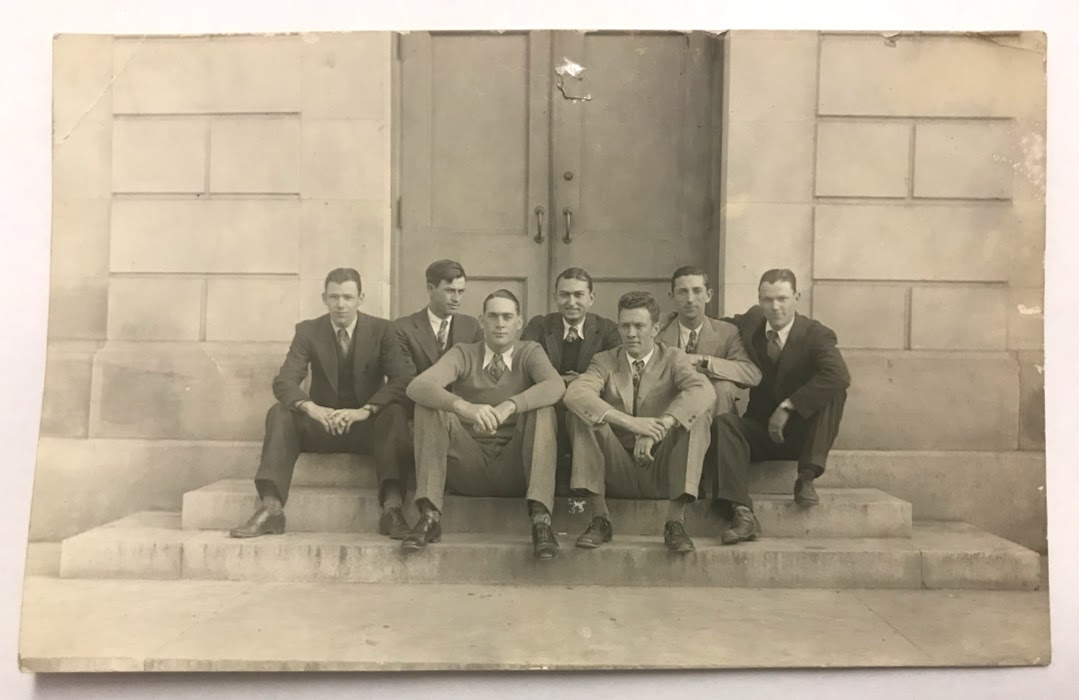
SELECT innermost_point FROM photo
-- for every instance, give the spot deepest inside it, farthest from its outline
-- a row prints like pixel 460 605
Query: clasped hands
pixel 485 417
pixel 335 421
pixel 649 432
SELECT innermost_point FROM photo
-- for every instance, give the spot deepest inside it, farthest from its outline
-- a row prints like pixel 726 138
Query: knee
pixel 278 414
pixel 727 394
pixel 426 418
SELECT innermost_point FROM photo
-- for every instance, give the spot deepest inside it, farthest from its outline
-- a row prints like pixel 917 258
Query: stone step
pixel 842 513
pixel 937 555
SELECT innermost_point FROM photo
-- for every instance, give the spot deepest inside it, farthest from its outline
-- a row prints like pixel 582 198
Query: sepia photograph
pixel 543 350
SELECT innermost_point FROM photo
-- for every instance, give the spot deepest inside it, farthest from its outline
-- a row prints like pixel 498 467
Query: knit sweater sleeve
pixel 547 386
pixel 429 388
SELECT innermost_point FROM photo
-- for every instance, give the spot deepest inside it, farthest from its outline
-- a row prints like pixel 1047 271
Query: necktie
pixel 638 370
pixel 571 335
pixel 773 345
pixel 342 340
pixel 497 367
pixel 443 334
pixel 691 346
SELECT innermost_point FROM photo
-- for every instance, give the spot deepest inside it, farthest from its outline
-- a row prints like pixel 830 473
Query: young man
pixel 794 412
pixel 714 347
pixel 427 334
pixel 639 423
pixel 570 337
pixel 494 434
pixel 349 408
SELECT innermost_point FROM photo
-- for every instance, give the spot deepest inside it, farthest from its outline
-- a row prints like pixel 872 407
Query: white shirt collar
pixel 350 328
pixel 566 325
pixel 783 332
pixel 683 332
pixel 489 354
pixel 436 322
pixel 646 358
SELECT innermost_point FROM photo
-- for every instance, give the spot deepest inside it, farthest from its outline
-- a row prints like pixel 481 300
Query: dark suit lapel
pixel 757 346
pixel 456 329
pixel 326 349
pixel 791 347
pixel 363 344
pixel 425 335
pixel 553 340
pixel 589 344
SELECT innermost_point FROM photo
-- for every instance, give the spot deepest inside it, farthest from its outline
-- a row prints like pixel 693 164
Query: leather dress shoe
pixel 675 537
pixel 544 544
pixel 427 529
pixel 263 522
pixel 393 523
pixel 598 532
pixel 744 527
pixel 804 493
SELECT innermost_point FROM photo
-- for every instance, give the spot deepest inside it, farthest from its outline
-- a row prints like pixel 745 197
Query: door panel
pixel 640 156
pixel 474 162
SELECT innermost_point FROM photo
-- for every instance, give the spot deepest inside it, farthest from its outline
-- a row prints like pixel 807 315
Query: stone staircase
pixel 856 538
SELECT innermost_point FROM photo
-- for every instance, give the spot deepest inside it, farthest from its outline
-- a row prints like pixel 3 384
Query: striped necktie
pixel 497 367
pixel 638 370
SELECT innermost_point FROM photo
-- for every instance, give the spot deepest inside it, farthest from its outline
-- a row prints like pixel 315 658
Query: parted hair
pixel 341 275
pixel 640 300
pixel 502 294
pixel 575 273
pixel 779 274
pixel 447 270
pixel 686 271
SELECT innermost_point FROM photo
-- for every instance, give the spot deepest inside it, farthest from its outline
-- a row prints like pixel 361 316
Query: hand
pixel 504 410
pixel 777 423
pixel 654 428
pixel 320 414
pixel 570 376
pixel 342 419
pixel 483 416
pixel 642 451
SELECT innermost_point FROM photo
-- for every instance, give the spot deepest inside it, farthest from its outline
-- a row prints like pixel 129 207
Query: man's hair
pixel 574 273
pixel 342 275
pixel 686 271
pixel 640 300
pixel 502 294
pixel 444 270
pixel 779 274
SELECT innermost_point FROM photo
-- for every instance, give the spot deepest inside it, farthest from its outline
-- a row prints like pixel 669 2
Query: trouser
pixel 385 436
pixel 603 461
pixel 449 456
pixel 740 440
pixel 727 397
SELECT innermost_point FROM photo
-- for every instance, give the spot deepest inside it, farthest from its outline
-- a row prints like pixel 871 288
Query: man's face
pixel 501 322
pixel 342 300
pixel 445 299
pixel 778 302
pixel 691 295
pixel 574 299
pixel 638 331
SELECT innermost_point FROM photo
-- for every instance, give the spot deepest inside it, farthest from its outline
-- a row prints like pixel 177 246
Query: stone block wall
pixel 902 179
pixel 203 187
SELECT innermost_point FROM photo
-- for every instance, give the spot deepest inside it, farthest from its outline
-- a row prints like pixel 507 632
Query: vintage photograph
pixel 543 350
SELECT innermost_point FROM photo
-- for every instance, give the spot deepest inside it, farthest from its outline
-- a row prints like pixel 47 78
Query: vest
pixel 571 352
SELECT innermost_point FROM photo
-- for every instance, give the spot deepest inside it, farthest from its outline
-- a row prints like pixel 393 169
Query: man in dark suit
pixel 571 337
pixel 793 413
pixel 427 334
pixel 351 406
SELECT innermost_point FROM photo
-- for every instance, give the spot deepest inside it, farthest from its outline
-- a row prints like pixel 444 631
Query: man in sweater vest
pixel 639 422
pixel 570 337
pixel 495 433
pixel 356 404
pixel 793 413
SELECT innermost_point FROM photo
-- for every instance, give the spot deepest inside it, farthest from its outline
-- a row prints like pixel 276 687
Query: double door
pixel 526 153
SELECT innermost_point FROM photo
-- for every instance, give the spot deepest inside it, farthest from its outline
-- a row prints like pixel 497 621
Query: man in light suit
pixel 427 334
pixel 358 380
pixel 571 337
pixel 639 423
pixel 794 412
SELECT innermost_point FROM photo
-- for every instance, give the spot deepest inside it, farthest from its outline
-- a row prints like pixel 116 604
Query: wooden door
pixel 475 149
pixel 633 142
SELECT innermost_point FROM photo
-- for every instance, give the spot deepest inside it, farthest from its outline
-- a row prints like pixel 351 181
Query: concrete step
pixel 937 555
pixel 842 513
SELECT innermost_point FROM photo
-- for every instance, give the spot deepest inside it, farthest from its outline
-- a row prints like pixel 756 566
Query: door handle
pixel 539 225
pixel 568 213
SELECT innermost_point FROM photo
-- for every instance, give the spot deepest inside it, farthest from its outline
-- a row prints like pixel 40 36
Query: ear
pixel 710 292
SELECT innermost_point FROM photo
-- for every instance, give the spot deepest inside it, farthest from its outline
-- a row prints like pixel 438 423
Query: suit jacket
pixel 721 342
pixel 419 343
pixel 810 372
pixel 599 334
pixel 669 384
pixel 379 370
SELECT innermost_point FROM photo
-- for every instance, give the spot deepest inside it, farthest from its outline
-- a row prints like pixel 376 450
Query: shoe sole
pixel 806 502
pixel 681 550
pixel 250 535
pixel 546 556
